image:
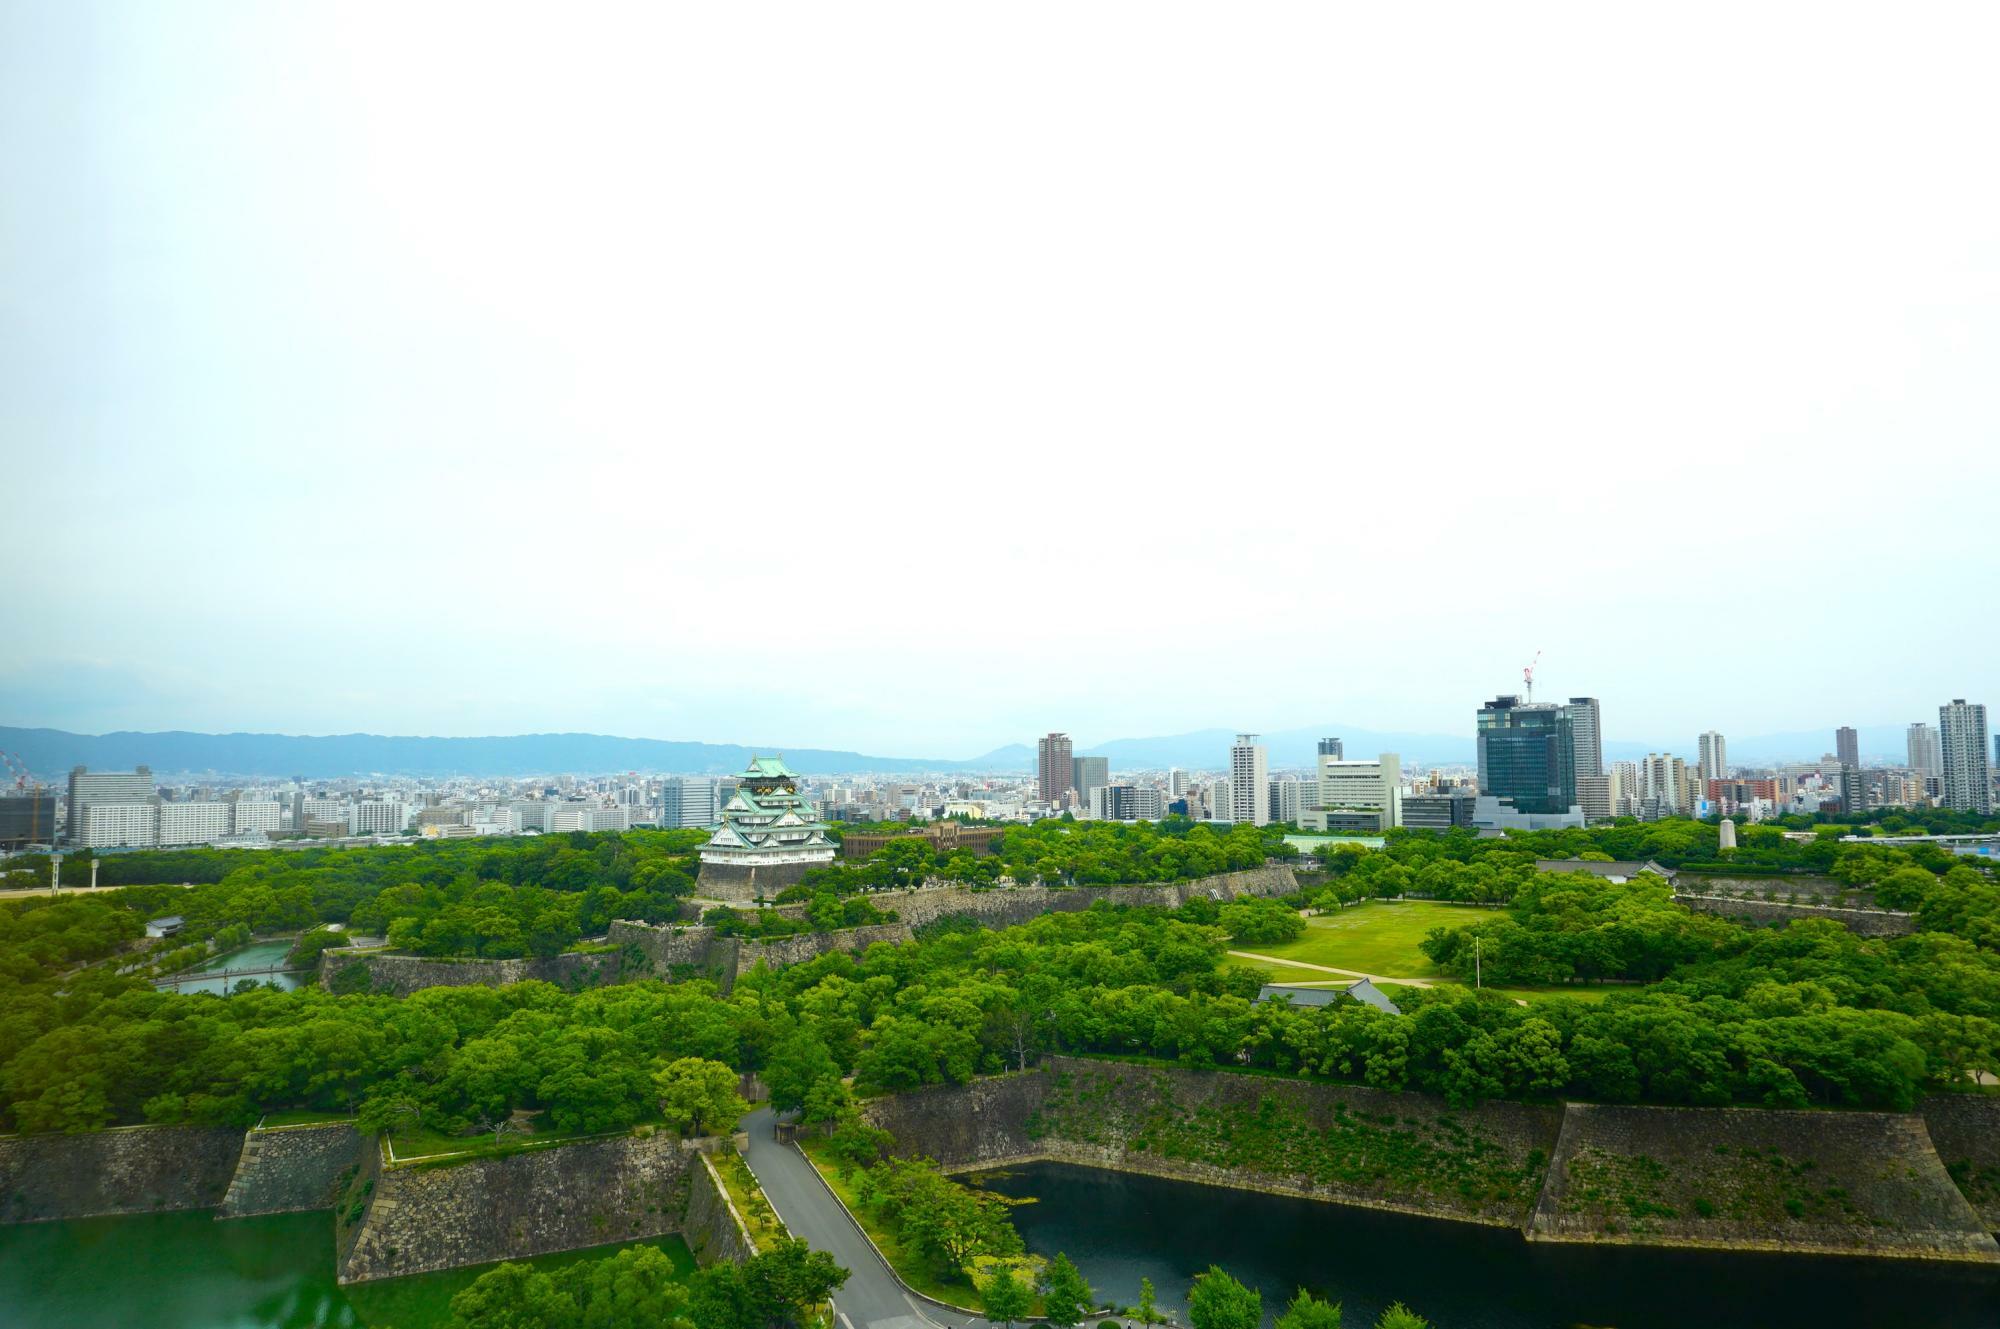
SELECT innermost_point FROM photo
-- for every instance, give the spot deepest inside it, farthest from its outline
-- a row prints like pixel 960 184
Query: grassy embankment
pixel 423 1301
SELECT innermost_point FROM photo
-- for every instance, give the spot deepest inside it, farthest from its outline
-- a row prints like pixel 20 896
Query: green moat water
pixel 1119 1229
pixel 188 1271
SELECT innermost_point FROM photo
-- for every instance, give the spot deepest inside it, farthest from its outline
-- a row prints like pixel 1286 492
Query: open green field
pixel 1378 937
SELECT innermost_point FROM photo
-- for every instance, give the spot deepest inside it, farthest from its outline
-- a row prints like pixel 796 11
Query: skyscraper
pixel 1088 773
pixel 1968 780
pixel 1714 758
pixel 1527 754
pixel 1847 746
pixel 1926 756
pixel 1053 757
pixel 1249 781
pixel 1587 727
pixel 1332 747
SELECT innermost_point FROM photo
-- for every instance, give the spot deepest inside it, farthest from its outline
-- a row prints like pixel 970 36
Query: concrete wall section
pixel 141 1170
pixel 1846 1183
pixel 426 1217
pixel 292 1168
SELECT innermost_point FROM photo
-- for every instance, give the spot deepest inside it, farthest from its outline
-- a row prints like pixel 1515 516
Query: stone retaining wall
pixel 1965 1129
pixel 1009 906
pixel 140 1170
pixel 1863 922
pixel 424 1217
pixel 1343 1144
pixel 1843 1183
pixel 287 1169
pixel 400 975
pixel 713 1229
pixel 811 945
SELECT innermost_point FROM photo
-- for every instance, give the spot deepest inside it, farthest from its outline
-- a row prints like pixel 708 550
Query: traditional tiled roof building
pixel 769 836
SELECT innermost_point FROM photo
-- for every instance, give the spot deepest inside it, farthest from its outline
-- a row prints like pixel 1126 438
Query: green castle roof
pixel 769 768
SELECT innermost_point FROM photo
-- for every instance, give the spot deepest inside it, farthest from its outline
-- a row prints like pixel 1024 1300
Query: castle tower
pixel 769 837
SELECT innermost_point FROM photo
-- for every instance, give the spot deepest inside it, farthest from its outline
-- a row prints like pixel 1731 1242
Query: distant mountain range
pixel 51 752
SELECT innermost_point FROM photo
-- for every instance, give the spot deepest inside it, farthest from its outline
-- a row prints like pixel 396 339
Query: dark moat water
pixel 187 1271
pixel 1119 1229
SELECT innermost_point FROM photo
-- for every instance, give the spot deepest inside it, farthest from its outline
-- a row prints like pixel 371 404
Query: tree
pixel 1066 1296
pixel 513 1296
pixel 1218 1301
pixel 698 1095
pixel 1148 1310
pixel 1309 1312
pixel 786 1281
pixel 1005 1297
pixel 796 1065
pixel 1400 1316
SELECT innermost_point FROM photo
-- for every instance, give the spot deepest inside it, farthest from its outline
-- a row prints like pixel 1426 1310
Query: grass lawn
pixel 956 1292
pixel 419 1142
pixel 1378 937
pixel 301 1117
pixel 423 1301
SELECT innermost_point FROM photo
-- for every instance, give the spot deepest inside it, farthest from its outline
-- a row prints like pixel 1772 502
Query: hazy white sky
pixel 918 377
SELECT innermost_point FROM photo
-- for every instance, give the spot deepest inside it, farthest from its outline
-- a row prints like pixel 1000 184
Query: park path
pixel 873 1297
pixel 1329 969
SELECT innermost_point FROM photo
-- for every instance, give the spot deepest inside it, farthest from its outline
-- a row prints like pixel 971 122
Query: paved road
pixel 872 1298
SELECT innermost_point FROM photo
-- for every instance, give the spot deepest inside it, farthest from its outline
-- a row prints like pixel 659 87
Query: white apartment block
pixel 378 818
pixel 116 826
pixel 192 823
pixel 248 816
pixel 1968 780
pixel 1221 807
pixel 1714 758
pixel 1249 781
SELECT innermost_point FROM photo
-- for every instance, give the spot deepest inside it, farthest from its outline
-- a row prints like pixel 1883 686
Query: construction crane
pixel 1528 675
pixel 25 785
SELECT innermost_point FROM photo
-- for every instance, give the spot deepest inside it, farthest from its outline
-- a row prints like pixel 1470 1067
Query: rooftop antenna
pixel 1528 676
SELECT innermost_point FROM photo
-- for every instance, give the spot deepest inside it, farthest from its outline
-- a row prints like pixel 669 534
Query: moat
pixel 1120 1228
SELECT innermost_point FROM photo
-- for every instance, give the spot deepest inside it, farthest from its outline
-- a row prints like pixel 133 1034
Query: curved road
pixel 872 1298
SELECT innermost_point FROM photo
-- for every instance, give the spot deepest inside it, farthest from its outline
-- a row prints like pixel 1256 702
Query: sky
pixel 917 378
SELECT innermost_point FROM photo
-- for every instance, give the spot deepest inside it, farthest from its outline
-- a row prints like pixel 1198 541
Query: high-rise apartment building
pixel 1847 746
pixel 253 816
pixel 1593 795
pixel 1249 775
pixel 688 801
pixel 378 817
pixel 116 826
pixel 1853 791
pixel 192 823
pixel 1527 755
pixel 1586 724
pixel 1221 806
pixel 1177 783
pixel 1127 802
pixel 1926 753
pixel 87 787
pixel 1714 757
pixel 1088 773
pixel 1666 791
pixel 1293 799
pixel 1054 771
pixel 1962 734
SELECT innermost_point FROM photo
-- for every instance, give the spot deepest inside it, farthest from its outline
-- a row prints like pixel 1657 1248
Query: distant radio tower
pixel 1528 676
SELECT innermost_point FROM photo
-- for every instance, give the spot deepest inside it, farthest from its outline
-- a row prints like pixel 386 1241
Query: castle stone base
pixel 732 881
